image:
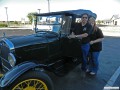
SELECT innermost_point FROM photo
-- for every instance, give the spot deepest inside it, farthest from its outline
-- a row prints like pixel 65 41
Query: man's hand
pixel 92 42
pixel 71 36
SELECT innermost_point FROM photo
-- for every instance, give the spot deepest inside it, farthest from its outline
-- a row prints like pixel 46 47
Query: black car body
pixel 48 49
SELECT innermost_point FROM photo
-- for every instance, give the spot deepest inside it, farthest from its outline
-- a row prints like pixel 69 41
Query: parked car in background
pixel 25 60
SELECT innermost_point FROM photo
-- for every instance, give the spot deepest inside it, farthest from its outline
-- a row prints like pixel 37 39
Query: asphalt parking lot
pixel 109 64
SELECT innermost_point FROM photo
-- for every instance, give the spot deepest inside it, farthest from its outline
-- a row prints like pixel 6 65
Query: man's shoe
pixel 92 73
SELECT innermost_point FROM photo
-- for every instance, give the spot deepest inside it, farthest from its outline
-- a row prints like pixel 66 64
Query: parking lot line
pixel 112 80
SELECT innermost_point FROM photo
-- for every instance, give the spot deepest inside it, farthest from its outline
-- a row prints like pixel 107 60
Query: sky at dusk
pixel 18 9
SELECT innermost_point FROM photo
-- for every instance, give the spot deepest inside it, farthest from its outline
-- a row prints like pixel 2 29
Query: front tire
pixel 32 80
pixel 1 73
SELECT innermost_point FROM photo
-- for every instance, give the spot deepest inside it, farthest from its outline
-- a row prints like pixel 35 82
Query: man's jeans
pixel 85 50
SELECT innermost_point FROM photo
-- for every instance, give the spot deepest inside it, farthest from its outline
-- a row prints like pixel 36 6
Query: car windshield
pixel 49 23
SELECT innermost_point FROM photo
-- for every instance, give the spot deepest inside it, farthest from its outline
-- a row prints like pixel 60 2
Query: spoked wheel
pixel 31 84
pixel 32 80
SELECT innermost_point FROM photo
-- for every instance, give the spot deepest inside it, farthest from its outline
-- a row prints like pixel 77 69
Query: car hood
pixel 21 41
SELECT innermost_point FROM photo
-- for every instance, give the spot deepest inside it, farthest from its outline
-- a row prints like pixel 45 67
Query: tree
pixel 99 21
pixel 31 16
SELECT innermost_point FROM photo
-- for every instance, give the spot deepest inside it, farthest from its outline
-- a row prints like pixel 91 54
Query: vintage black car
pixel 26 60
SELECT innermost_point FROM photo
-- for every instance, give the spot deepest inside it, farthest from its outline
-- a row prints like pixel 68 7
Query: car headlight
pixel 11 59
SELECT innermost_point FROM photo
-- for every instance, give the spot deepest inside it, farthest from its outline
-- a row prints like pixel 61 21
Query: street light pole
pixel 48 5
pixel 39 11
pixel 7 15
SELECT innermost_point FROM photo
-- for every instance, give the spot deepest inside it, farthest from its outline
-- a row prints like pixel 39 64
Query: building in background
pixel 114 20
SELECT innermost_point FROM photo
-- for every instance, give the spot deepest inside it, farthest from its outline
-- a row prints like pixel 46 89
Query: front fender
pixel 15 72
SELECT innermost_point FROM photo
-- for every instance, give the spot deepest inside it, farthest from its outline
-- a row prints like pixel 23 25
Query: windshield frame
pixel 47 25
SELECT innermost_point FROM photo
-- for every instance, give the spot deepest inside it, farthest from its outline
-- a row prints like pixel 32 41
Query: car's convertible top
pixel 78 12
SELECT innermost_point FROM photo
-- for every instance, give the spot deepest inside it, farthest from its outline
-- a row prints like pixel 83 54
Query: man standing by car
pixel 82 31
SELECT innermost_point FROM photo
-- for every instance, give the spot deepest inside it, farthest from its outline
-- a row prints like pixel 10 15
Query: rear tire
pixel 1 73
pixel 32 80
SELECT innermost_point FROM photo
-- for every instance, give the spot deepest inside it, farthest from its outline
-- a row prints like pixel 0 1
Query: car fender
pixel 17 71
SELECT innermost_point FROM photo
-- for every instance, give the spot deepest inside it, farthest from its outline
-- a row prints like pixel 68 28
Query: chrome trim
pixel 4 59
pixel 5 67
pixel 9 43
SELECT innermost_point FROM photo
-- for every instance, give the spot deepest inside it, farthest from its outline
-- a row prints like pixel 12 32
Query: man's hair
pixel 84 14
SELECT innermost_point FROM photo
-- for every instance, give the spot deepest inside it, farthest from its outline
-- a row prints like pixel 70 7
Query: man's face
pixel 84 18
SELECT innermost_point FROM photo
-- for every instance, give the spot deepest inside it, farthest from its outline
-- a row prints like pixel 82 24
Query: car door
pixel 54 47
pixel 70 47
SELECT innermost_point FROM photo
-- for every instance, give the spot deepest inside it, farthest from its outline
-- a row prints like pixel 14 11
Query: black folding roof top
pixel 78 12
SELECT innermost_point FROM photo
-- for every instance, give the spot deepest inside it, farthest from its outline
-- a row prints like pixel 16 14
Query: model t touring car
pixel 25 60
